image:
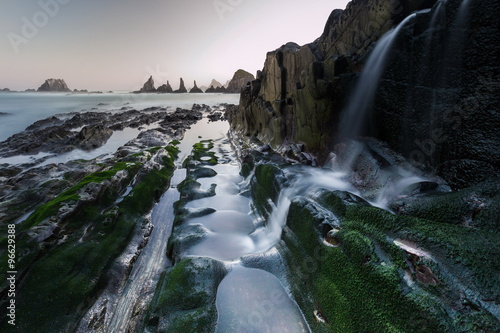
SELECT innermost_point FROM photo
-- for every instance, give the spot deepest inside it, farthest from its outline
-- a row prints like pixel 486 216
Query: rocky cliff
pixel 57 85
pixel 239 80
pixel 439 77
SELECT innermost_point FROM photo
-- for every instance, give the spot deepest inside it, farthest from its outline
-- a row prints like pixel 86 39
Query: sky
pixel 118 44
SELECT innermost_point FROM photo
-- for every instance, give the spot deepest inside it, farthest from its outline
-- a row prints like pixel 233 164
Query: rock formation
pixel 195 89
pixel 165 88
pixel 182 88
pixel 239 80
pixel 424 103
pixel 56 85
pixel 149 86
pixel 213 89
pixel 5 90
pixel 215 84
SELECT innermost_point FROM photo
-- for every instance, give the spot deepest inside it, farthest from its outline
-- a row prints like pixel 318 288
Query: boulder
pixel 91 137
pixel 195 89
pixel 54 85
pixel 239 80
pixel 182 88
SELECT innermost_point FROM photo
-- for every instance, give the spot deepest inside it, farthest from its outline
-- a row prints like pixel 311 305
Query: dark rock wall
pixel 436 103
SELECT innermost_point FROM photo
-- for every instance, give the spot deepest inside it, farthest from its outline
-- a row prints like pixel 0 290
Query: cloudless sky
pixel 118 44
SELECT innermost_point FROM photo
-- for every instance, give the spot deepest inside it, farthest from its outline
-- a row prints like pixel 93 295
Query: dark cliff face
pixel 435 103
pixel 438 100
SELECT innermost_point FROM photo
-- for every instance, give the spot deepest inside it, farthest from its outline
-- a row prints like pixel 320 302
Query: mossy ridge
pixel 56 302
pixel 265 186
pixel 352 291
pixel 71 194
pixel 474 250
pixel 185 297
pixel 478 206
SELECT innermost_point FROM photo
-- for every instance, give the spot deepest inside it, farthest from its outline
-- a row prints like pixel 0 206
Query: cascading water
pixel 361 100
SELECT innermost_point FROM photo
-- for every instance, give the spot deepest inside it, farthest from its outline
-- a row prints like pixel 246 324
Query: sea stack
pixel 165 88
pixel 239 80
pixel 149 86
pixel 182 88
pixel 195 89
pixel 57 85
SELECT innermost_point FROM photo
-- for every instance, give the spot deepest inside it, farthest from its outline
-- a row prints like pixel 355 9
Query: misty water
pixel 19 110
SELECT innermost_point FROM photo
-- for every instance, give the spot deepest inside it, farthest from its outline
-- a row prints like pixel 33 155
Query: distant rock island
pixel 55 85
pixel 239 80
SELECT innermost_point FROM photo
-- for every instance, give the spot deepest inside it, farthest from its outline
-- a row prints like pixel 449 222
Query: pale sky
pixel 118 44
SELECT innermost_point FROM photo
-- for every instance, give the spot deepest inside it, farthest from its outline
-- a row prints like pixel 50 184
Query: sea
pixel 19 110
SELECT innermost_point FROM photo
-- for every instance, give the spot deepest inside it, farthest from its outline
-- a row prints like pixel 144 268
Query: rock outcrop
pixel 91 137
pixel 165 88
pixel 239 80
pixel 195 89
pixel 213 89
pixel 425 101
pixel 182 87
pixel 5 90
pixel 215 84
pixel 149 86
pixel 54 85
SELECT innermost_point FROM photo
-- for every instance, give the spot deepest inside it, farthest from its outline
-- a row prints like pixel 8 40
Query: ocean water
pixel 19 110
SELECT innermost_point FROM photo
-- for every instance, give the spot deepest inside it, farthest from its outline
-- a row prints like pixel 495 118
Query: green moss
pixel 65 276
pixel 354 294
pixel 71 195
pixel 265 187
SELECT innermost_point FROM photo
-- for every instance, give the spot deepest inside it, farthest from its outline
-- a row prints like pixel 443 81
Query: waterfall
pixel 361 100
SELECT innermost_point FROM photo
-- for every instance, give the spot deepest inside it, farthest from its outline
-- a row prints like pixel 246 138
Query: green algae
pixel 68 273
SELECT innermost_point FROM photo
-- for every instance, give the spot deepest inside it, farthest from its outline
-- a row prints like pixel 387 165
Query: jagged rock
pixel 216 84
pixel 5 90
pixel 165 88
pixel 213 89
pixel 149 86
pixel 195 89
pixel 54 85
pixel 239 80
pixel 182 88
